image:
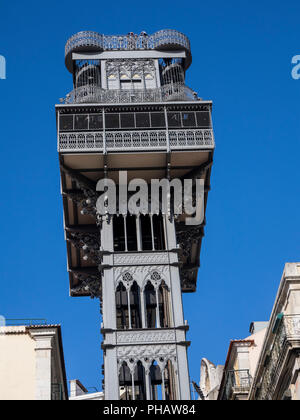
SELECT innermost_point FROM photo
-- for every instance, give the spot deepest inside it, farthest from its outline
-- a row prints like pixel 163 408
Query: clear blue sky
pixel 242 54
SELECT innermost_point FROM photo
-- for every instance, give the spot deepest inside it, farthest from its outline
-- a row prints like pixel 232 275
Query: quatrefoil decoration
pixel 155 276
pixel 155 279
pixel 127 279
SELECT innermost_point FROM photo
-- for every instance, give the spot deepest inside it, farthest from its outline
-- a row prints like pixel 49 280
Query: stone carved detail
pixel 139 259
pixel 146 354
pixel 155 279
pixel 143 274
pixel 89 283
pixel 133 337
pixel 127 280
pixel 292 324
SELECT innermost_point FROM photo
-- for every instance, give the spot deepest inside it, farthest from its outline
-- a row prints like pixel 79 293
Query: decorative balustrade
pixel 95 94
pixel 135 140
pixel 93 41
pixel 191 139
pixel 80 141
pixel 288 330
pixel 121 140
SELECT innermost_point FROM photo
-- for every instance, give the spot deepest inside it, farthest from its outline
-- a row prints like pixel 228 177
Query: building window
pixel 158 120
pixel 188 119
pixel 128 307
pixel 174 119
pixel 127 120
pixel 142 120
pixel 81 122
pixel 95 122
pixel 66 122
pixel 112 120
pixel 203 119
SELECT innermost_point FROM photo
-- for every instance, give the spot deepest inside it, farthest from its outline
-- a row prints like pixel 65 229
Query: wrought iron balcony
pixel 95 94
pixel 135 140
pixel 237 382
pixel 25 322
pixel 93 41
pixel 285 331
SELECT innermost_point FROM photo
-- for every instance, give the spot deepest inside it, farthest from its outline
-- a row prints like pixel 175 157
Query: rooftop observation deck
pixel 90 41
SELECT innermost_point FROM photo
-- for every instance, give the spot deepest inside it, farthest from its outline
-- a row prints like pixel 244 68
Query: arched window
pixel 125 381
pixel 157 383
pixel 133 382
pixel 163 380
pixel 150 305
pixel 139 382
pixel 128 306
pixel 135 307
pixel 157 306
pixel 122 307
pixel 170 381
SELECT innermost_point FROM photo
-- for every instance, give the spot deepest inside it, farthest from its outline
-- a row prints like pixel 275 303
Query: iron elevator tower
pixel 130 110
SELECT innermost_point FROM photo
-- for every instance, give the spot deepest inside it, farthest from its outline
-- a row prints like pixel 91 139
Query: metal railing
pixel 287 329
pixel 25 321
pixel 135 140
pixel 131 41
pixel 95 94
pixel 237 381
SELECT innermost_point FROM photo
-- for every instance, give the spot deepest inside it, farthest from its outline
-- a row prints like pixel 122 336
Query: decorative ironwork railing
pixel 80 141
pixel 143 41
pixel 95 94
pixel 237 381
pixel 26 322
pixel 288 329
pixel 135 140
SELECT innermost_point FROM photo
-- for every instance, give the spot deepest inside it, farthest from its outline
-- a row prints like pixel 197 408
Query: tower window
pixel 96 122
pixel 66 122
pixel 158 120
pixel 146 233
pixel 203 119
pixel 112 121
pixel 142 119
pixel 119 233
pixel 81 122
pixel 174 119
pixel 188 119
pixel 127 120
pixel 158 230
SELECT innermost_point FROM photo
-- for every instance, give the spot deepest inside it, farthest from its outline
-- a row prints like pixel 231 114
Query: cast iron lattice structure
pixel 130 109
